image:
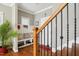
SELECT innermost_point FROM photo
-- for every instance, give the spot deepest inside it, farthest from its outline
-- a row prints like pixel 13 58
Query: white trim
pixel 25 39
pixel 27 11
pixel 15 44
pixel 36 11
pixel 8 4
pixel 25 45
pixel 43 9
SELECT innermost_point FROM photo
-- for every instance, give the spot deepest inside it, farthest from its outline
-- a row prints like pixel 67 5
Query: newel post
pixel 35 41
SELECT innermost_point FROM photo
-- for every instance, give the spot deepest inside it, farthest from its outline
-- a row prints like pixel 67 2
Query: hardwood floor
pixel 26 51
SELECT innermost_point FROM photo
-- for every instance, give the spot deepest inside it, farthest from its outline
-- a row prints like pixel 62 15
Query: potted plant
pixel 6 35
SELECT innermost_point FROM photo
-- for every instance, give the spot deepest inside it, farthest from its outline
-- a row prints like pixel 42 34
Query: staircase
pixel 42 33
pixel 64 51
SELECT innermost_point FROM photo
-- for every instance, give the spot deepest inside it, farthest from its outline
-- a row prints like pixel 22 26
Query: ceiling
pixel 8 4
pixel 36 7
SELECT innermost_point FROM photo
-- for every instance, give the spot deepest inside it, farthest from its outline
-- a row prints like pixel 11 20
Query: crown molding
pixel 35 12
pixel 25 10
pixel 43 10
pixel 8 4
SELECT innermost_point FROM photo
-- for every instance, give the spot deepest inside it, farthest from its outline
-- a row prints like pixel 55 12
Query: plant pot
pixel 3 50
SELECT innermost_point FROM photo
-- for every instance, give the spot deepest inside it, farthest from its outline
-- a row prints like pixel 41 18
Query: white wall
pixel 7 12
pixel 47 12
pixel 30 19
pixel 71 28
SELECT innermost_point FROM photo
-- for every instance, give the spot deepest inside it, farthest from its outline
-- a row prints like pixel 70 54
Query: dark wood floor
pixel 28 51
pixel 71 51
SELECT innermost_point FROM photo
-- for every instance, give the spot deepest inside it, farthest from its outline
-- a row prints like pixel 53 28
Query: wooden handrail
pixel 50 18
pixel 35 39
pixel 36 30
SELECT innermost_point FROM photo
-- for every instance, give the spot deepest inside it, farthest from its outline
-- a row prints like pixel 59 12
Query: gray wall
pixel 25 14
pixel 47 12
pixel 7 12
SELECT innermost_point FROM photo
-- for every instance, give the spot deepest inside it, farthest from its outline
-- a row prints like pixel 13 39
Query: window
pixel 25 21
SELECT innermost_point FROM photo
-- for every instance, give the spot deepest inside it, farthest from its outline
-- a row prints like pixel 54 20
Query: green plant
pixel 6 33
